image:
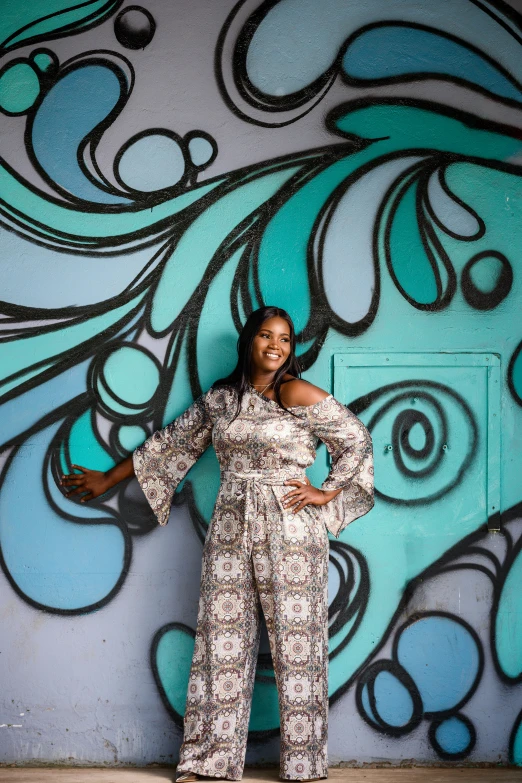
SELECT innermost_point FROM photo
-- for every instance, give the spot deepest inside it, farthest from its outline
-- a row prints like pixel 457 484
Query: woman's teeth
pixel 272 355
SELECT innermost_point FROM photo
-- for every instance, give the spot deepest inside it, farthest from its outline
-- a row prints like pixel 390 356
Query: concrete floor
pixel 365 775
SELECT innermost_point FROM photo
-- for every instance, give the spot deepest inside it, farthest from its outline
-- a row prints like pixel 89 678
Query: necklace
pixel 264 387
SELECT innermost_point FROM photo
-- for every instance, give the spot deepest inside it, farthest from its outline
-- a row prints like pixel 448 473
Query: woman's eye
pixel 267 336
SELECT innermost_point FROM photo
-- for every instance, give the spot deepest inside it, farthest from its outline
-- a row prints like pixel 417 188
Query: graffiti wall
pixel 165 169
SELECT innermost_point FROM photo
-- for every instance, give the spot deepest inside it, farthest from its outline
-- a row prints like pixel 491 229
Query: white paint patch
pixel 348 261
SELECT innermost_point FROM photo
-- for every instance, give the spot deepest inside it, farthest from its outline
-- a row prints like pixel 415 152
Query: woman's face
pixel 271 346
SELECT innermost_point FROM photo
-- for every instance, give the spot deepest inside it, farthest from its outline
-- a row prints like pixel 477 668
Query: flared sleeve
pixel 166 456
pixel 349 445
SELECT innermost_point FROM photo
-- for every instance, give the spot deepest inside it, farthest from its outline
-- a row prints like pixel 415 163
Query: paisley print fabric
pixel 260 556
pixel 255 559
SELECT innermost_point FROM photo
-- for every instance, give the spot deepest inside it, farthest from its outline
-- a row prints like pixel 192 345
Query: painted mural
pixel 166 170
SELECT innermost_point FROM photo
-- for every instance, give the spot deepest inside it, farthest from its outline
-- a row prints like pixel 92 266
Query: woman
pixel 266 546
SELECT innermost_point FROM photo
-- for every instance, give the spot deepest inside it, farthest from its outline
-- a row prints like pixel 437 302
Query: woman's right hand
pixel 89 483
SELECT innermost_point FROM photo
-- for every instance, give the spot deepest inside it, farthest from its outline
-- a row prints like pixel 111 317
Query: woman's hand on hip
pixel 305 495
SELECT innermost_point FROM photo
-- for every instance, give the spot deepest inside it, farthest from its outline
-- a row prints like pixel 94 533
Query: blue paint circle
pixel 201 150
pixel 19 88
pixel 172 651
pixel 126 381
pixel 453 737
pixel 393 702
pixel 152 162
pixel 131 375
pixel 388 698
pixel 443 659
pixel 131 436
pixel 45 61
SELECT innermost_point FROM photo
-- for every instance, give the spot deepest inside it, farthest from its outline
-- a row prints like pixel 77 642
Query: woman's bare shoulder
pixel 301 392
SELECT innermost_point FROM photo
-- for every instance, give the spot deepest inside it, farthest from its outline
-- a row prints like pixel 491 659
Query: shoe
pixel 302 780
pixel 187 777
pixel 308 780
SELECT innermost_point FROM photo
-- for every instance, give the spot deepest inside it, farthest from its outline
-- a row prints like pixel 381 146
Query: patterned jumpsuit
pixel 259 554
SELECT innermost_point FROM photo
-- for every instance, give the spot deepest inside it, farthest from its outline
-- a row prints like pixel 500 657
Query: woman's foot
pixel 187 777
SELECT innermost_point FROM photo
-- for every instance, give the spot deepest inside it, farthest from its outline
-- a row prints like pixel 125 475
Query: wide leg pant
pixel 258 554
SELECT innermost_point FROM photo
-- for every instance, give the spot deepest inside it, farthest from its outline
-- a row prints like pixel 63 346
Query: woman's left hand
pixel 305 495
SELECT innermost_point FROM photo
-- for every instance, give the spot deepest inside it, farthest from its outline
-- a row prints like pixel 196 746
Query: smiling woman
pixel 267 543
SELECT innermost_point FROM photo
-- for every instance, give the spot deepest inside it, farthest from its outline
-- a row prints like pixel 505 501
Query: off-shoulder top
pixel 264 438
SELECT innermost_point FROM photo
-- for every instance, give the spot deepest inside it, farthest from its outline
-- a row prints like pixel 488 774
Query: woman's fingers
pixel 295 483
pixel 88 483
pixel 293 499
pixel 290 495
pixel 297 499
pixel 75 491
pixel 73 478
pixel 300 507
pixel 86 494
pixel 79 477
pixel 72 484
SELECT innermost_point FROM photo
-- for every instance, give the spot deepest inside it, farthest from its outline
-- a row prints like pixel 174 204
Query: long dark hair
pixel 239 378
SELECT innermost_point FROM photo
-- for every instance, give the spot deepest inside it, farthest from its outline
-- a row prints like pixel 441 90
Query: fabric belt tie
pixel 253 480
